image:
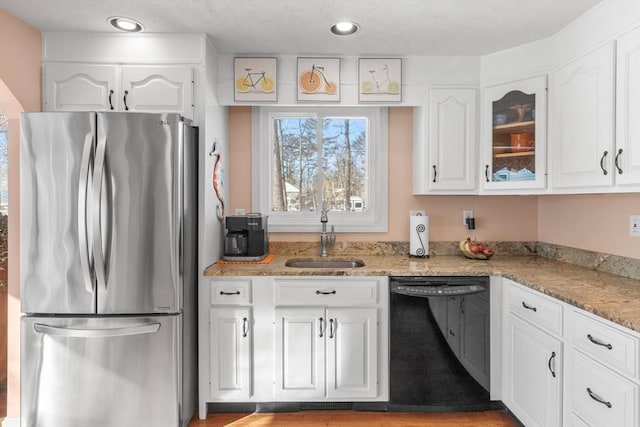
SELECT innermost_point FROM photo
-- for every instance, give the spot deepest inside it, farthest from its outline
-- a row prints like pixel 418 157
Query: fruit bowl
pixel 475 250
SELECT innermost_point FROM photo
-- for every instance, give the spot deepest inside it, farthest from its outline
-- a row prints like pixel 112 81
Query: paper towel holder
pixel 419 234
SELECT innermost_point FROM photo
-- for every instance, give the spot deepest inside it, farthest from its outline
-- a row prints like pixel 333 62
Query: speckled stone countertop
pixel 610 296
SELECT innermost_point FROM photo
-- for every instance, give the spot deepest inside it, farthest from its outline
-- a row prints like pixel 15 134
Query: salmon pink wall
pixel 596 222
pixel 20 89
pixel 20 60
pixel 509 218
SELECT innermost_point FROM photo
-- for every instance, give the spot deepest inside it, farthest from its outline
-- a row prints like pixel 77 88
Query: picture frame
pixel 255 79
pixel 379 79
pixel 318 79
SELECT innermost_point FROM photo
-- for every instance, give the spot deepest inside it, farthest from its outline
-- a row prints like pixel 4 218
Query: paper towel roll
pixel 419 234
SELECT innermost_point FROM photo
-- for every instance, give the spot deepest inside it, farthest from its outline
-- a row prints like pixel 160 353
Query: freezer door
pixel 137 178
pixel 100 372
pixel 55 258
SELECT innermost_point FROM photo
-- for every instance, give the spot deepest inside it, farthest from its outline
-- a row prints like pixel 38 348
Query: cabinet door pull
pixel 326 292
pixel 245 329
pixel 553 356
pixel 331 331
pixel 598 398
pixel 435 173
pixel 604 156
pixel 111 104
pixel 126 107
pixel 616 161
pixel 321 327
pixel 529 307
pixel 598 342
pixel 486 172
pixel 229 293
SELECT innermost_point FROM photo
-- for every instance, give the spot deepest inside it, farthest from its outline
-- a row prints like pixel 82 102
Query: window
pixel 307 158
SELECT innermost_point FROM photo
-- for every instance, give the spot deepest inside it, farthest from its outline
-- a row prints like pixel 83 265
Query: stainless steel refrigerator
pixel 108 269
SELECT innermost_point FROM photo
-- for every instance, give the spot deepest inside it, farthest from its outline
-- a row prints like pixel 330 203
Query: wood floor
pixel 358 419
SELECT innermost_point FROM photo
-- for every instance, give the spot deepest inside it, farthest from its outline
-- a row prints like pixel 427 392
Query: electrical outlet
pixel 634 225
pixel 465 215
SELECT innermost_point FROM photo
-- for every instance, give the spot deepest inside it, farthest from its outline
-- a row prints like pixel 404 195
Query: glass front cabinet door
pixel 514 136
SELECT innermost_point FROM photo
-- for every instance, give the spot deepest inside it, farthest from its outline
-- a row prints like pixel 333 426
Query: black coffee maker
pixel 247 237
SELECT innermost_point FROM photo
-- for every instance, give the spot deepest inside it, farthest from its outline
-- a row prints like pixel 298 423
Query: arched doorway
pixel 10 319
pixel 4 256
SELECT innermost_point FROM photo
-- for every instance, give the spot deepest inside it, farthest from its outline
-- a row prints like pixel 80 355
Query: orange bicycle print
pixel 251 81
pixel 310 81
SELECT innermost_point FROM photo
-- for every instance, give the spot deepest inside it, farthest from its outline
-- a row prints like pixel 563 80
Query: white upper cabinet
pixel 627 153
pixel 106 87
pixel 80 87
pixel 582 122
pixel 514 131
pixel 444 158
pixel 158 89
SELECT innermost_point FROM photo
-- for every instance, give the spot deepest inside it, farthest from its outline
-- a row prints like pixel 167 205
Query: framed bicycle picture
pixel 255 79
pixel 379 79
pixel 318 79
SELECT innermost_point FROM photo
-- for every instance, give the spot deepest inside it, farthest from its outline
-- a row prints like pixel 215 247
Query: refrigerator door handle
pixel 99 169
pixel 148 328
pixel 86 251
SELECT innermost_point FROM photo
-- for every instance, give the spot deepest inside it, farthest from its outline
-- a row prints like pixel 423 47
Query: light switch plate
pixel 634 225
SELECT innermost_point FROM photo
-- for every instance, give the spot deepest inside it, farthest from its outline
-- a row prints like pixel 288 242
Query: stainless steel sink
pixel 324 263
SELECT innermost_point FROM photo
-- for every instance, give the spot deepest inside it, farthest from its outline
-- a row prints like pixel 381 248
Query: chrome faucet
pixel 325 237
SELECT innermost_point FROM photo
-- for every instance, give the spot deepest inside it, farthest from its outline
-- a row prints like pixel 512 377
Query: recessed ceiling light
pixel 344 28
pixel 125 24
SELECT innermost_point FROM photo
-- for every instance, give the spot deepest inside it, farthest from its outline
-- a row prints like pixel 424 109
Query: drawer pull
pixel 598 398
pixel 229 293
pixel 529 307
pixel 321 327
pixel 245 328
pixel 553 356
pixel 598 342
pixel 326 292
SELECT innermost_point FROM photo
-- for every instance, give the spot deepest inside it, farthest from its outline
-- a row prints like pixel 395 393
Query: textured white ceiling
pixel 398 27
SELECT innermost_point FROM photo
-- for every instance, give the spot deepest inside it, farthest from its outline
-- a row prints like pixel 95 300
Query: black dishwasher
pixel 439 344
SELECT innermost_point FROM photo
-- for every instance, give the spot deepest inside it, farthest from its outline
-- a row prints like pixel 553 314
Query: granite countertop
pixel 610 296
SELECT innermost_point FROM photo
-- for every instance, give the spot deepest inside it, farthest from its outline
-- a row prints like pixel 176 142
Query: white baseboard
pixel 11 422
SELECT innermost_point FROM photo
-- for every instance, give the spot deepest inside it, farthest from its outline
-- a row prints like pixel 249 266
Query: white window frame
pixel 373 220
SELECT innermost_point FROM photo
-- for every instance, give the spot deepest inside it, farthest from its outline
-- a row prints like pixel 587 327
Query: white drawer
pixel 235 292
pixel 539 309
pixel 607 343
pixel 326 292
pixel 600 397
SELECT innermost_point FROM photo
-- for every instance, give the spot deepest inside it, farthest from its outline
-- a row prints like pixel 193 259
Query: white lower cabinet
pixel 603 378
pixel 326 353
pixel 563 366
pixel 532 372
pixel 230 353
pixel 293 339
pixel 226 327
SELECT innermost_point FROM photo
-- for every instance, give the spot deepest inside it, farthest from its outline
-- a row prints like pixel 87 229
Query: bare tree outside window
pixel 319 158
